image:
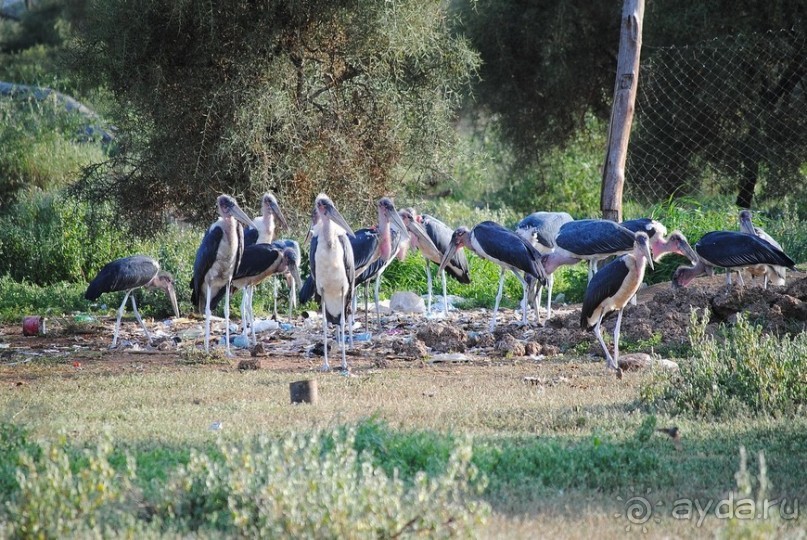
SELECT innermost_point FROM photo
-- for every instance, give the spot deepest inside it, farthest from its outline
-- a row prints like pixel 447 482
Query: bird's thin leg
pixel 342 337
pixel 740 278
pixel 728 278
pixel 227 316
pixel 765 280
pixel 537 299
pixel 207 317
pixel 292 298
pixel 117 322
pixel 592 268
pixel 244 316
pixel 137 316
pixel 524 301
pixel 498 299
pixel 616 339
pixel 325 366
pixel 550 282
pixel 429 281
pixel 252 314
pixel 377 307
pixel 366 306
pixel 274 294
pixel 609 361
pixel 445 296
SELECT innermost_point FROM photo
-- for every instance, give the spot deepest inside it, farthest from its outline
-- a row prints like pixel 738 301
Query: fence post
pixel 627 79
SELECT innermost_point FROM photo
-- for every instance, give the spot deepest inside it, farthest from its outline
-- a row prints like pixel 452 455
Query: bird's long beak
pixel 337 218
pixel 424 241
pixel 689 253
pixel 648 253
pixel 172 295
pixel 241 216
pixel 396 220
pixel 294 270
pixel 280 217
pixel 452 249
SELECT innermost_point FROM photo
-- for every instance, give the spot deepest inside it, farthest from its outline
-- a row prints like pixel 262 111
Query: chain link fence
pixel 724 117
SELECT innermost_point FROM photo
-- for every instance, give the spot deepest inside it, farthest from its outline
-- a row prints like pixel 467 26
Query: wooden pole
pixel 627 80
pixel 304 392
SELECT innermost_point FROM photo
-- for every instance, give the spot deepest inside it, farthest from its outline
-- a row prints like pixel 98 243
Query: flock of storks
pixel 238 252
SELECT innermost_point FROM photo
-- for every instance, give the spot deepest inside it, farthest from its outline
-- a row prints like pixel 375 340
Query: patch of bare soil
pixel 661 318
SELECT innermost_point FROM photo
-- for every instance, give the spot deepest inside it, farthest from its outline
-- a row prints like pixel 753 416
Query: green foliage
pixel 14 442
pixel 320 96
pixel 18 299
pixel 46 238
pixel 54 500
pixel 42 147
pixel 319 486
pixel 740 369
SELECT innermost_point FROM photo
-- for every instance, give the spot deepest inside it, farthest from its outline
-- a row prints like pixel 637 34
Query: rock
pixel 481 339
pixel 792 308
pixel 443 337
pixel 407 302
pixel 413 348
pixel 635 361
pixel 510 346
pixel 249 364
pixel 532 348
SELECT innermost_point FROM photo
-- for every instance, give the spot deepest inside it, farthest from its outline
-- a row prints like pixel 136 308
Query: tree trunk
pixel 627 80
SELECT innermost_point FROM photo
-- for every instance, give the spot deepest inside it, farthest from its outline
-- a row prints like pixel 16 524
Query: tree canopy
pixel 296 97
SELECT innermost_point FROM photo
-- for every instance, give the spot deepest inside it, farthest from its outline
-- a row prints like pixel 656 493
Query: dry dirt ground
pixel 660 320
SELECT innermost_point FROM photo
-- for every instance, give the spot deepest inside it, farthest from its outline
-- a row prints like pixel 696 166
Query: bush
pixel 319 486
pixel 738 369
pixel 53 501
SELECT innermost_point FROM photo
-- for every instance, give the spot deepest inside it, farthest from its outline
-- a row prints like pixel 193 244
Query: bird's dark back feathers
pixel 588 237
pixel 122 275
pixel 728 249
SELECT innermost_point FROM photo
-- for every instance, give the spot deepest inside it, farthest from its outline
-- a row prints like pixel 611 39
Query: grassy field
pixel 562 457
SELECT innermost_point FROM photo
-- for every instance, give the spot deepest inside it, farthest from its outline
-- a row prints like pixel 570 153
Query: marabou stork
pixel 258 262
pixel 392 233
pixel 217 261
pixel 432 238
pixel 264 233
pixel 611 289
pixel 776 274
pixel 733 251
pixel 502 246
pixel 292 283
pixel 540 229
pixel 264 230
pixel 128 274
pixel 331 260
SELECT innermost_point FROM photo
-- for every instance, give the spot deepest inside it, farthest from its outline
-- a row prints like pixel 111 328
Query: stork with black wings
pixel 128 274
pixel 502 246
pixel 217 260
pixel 611 289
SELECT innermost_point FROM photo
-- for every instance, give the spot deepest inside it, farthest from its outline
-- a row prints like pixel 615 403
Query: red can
pixel 33 326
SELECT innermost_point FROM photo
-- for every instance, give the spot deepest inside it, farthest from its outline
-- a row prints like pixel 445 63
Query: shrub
pixel 53 501
pixel 738 369
pixel 319 486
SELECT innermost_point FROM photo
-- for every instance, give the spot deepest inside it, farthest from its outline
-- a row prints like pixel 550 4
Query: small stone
pixel 510 346
pixel 248 364
pixel 413 348
pixel 532 348
pixel 635 361
pixel 443 337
